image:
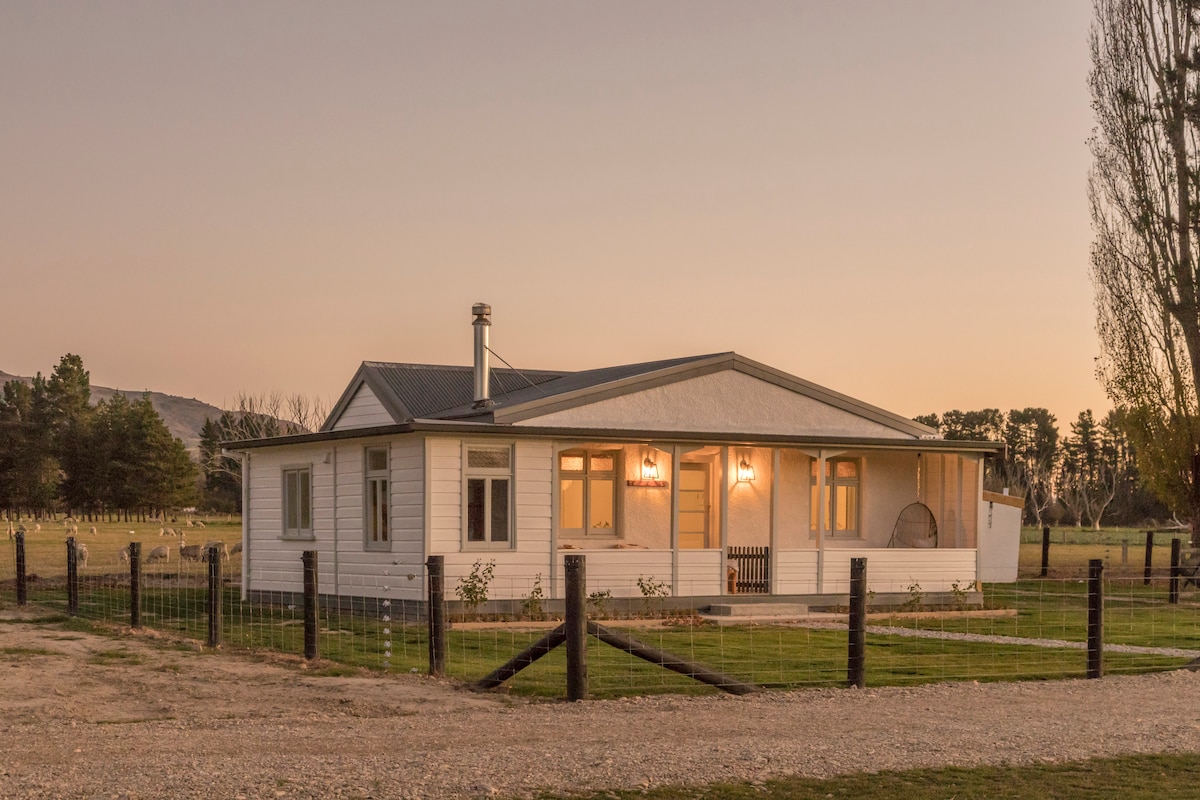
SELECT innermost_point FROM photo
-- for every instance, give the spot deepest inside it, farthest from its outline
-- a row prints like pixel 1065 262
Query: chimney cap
pixel 481 310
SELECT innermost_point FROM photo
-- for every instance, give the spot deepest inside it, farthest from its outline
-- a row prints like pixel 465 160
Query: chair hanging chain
pixel 918 477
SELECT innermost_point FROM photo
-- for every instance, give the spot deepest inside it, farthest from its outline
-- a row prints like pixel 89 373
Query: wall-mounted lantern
pixel 745 471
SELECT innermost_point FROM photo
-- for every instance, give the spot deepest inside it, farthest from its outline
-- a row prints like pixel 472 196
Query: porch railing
pixel 753 569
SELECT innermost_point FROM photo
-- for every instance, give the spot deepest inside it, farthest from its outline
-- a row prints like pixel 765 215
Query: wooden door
pixel 694 506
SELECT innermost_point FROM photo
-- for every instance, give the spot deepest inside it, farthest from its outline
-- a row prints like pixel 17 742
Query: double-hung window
pixel 587 492
pixel 297 503
pixel 841 496
pixel 375 516
pixel 488 493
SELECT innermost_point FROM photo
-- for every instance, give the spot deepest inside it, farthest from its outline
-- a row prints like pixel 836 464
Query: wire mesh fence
pixel 1031 629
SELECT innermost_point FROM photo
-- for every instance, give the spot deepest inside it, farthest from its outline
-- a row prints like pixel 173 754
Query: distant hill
pixel 184 417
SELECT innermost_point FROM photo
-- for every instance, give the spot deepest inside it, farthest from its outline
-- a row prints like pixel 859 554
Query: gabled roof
pixel 411 392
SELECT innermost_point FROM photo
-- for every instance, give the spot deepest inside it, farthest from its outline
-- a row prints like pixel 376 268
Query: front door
pixel 693 505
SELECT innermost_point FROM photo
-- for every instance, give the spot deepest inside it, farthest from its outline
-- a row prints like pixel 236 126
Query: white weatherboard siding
pixel 701 572
pixel 896 570
pixel 382 573
pixel 727 401
pixel 363 411
pixel 516 569
pixel 795 571
pixel 274 561
pixel 617 571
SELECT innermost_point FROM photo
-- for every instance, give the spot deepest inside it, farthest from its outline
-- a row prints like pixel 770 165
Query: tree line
pixel 59 453
pixel 1089 476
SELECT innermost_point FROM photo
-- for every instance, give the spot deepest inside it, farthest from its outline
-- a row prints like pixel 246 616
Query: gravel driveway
pixel 91 716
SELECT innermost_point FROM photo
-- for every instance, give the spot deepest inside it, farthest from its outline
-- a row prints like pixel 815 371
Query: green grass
pixel 1143 777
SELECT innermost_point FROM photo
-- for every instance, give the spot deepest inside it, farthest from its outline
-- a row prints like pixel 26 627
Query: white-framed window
pixel 297 502
pixel 487 497
pixel 376 534
pixel 841 496
pixel 587 492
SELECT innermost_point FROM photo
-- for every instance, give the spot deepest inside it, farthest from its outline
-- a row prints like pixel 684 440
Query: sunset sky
pixel 886 198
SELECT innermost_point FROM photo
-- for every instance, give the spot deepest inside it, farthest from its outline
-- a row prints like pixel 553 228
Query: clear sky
pixel 886 198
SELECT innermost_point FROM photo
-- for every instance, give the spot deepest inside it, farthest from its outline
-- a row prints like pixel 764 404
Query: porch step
pixel 758 610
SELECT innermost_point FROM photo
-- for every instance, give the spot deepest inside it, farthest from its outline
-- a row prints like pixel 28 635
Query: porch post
pixel 960 529
pixel 674 519
pixel 723 539
pixel 820 521
pixel 773 536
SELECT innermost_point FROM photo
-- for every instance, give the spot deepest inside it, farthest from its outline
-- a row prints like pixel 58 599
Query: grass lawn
pixel 1147 777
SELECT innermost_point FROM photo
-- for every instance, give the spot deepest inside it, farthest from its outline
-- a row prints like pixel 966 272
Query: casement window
pixel 297 503
pixel 375 494
pixel 487 497
pixel 841 497
pixel 587 492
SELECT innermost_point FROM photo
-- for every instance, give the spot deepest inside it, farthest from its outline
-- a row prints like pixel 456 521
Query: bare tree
pixel 1144 203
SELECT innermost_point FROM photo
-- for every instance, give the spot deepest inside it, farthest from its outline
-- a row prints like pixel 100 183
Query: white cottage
pixel 698 475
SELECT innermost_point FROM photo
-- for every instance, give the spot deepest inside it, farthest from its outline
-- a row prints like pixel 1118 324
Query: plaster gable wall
pixel 363 411
pixel 726 401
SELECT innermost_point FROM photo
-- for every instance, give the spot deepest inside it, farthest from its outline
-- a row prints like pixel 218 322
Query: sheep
pixel 37 527
pixel 189 523
pixel 92 530
pixel 237 548
pixel 74 530
pixel 160 553
pixel 81 554
pixel 219 546
pixel 125 554
pixel 190 552
pixel 199 524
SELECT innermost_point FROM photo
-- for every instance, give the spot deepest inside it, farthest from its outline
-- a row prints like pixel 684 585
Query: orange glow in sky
pixel 884 198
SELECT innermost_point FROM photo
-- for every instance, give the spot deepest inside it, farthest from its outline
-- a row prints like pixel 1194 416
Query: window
pixel 587 492
pixel 841 496
pixel 487 497
pixel 375 493
pixel 297 503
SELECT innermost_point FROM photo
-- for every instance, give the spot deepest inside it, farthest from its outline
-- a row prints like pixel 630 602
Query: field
pixel 1123 551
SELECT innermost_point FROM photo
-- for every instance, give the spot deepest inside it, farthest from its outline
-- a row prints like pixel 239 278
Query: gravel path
pixel 86 716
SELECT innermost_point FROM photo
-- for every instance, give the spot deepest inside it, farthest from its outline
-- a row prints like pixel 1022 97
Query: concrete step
pixel 758 610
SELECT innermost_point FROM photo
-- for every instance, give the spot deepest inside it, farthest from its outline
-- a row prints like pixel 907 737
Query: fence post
pixel 1149 557
pixel 1045 550
pixel 135 584
pixel 309 559
pixel 1095 628
pixel 213 556
pixel 436 566
pixel 1124 554
pixel 72 577
pixel 1173 584
pixel 22 596
pixel 856 669
pixel 576 627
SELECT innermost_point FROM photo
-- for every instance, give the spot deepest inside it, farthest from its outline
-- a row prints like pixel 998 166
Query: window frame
pixel 298 533
pixel 489 475
pixel 832 483
pixel 371 479
pixel 588 476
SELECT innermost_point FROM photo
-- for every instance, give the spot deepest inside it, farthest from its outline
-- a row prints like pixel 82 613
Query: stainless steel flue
pixel 483 371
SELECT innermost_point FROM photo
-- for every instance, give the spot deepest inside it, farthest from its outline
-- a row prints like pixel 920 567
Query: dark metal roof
pixel 426 389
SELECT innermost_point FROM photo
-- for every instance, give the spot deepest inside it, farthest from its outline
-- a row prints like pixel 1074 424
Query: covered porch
pixel 712 520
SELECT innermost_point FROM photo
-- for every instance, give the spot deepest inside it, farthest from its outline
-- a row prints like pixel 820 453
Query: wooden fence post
pixel 22 596
pixel 1045 550
pixel 213 556
pixel 576 627
pixel 1176 560
pixel 856 669
pixel 1124 554
pixel 1095 625
pixel 72 577
pixel 1149 557
pixel 135 584
pixel 309 560
pixel 436 566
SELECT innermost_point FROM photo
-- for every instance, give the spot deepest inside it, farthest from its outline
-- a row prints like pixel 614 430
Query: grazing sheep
pixel 125 554
pixel 189 523
pixel 190 552
pixel 160 553
pixel 37 527
pixel 74 529
pixel 199 524
pixel 219 546
pixel 237 548
pixel 81 554
pixel 92 530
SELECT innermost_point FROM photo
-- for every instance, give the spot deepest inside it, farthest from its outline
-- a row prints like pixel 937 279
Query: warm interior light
pixel 649 470
pixel 745 471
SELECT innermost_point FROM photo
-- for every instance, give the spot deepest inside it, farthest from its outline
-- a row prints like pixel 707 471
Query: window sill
pixel 302 537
